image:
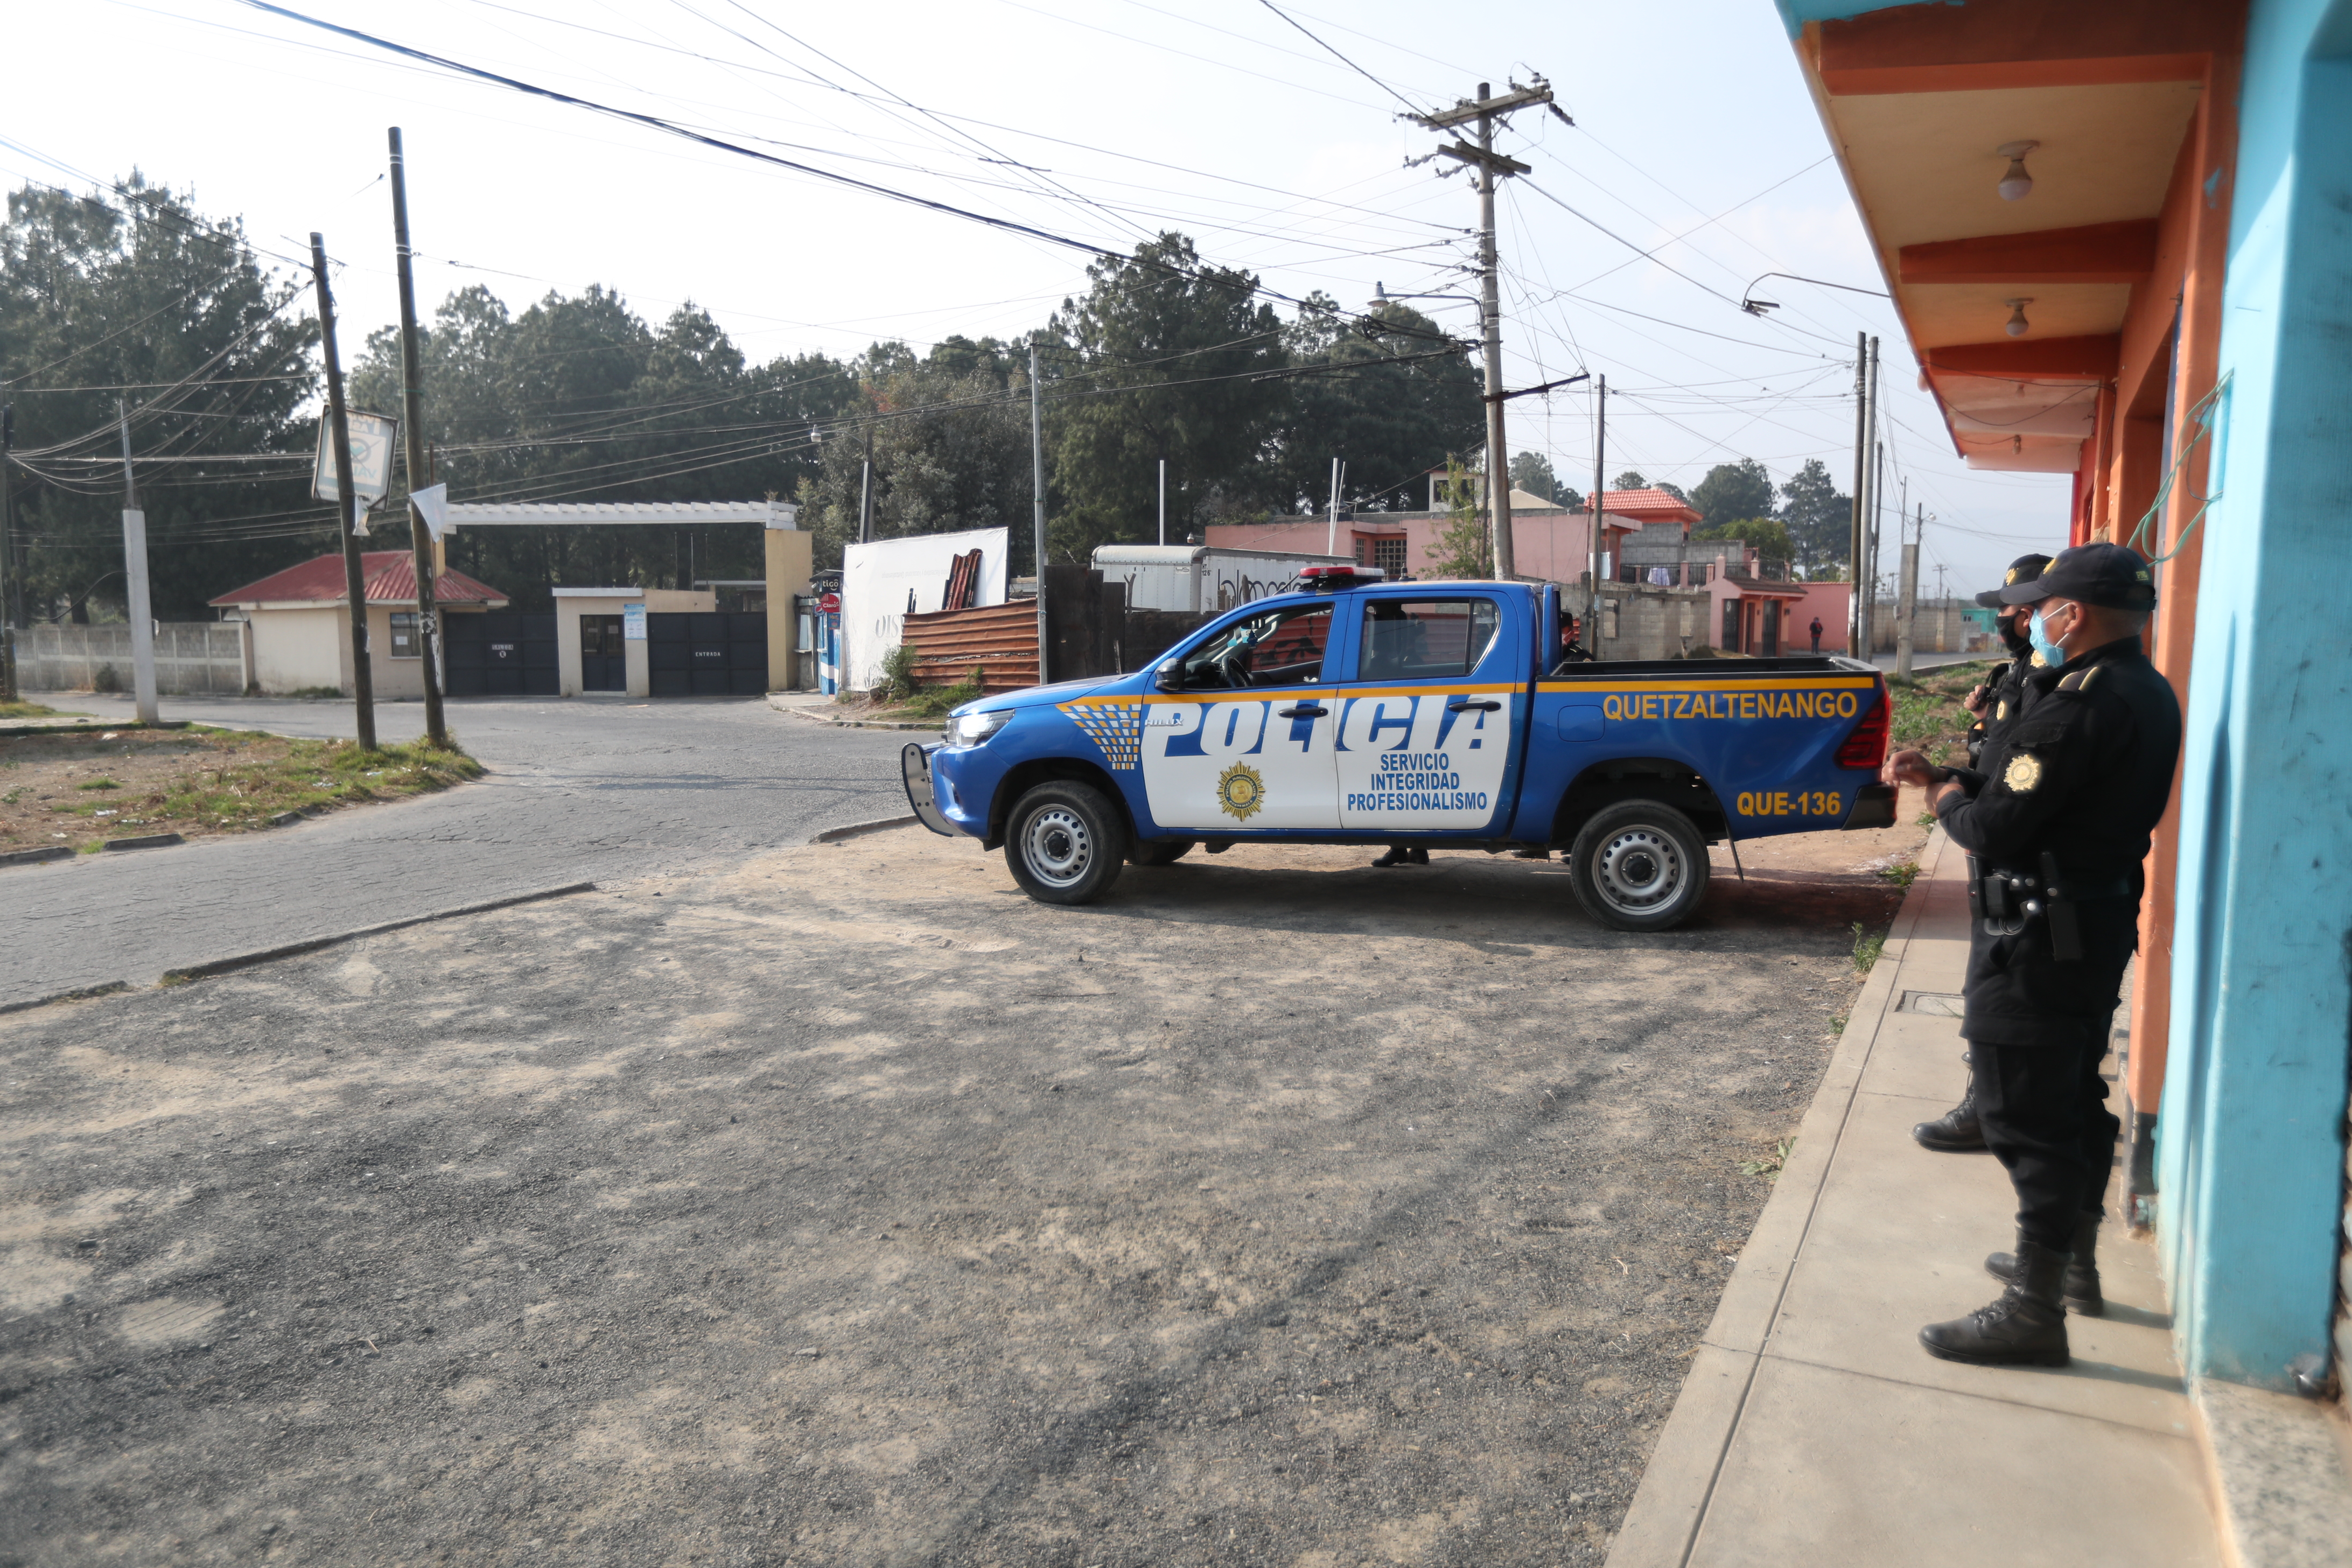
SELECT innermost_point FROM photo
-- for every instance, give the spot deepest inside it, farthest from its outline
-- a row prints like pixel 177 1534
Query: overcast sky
pixel 1098 121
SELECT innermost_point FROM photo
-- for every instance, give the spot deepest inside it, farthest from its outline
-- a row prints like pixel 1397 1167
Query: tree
pixel 1462 550
pixel 1741 489
pixel 1531 472
pixel 1391 423
pixel 1632 480
pixel 1765 535
pixel 1819 519
pixel 137 289
pixel 950 448
pixel 1164 358
pixel 578 398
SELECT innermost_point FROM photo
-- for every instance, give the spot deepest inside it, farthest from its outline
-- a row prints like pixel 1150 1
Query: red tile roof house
pixel 301 627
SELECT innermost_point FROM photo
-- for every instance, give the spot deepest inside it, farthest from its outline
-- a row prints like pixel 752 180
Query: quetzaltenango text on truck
pixel 1436 714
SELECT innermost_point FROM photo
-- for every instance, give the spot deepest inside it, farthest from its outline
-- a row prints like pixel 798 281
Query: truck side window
pixel 1425 639
pixel 1281 648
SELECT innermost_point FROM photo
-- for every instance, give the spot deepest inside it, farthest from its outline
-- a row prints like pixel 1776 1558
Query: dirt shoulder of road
pixel 852 1207
pixel 78 790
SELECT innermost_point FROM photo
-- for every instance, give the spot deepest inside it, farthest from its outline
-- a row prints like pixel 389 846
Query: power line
pixel 1410 107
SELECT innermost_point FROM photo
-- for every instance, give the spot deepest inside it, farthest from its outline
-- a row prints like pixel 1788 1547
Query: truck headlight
pixel 974 728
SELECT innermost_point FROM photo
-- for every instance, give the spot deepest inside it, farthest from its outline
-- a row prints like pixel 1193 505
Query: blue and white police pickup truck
pixel 1433 714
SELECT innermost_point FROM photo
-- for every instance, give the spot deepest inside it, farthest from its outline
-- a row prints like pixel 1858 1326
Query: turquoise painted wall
pixel 2250 1156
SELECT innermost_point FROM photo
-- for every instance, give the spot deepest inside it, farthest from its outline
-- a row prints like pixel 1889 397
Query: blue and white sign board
pixel 373 439
pixel 633 623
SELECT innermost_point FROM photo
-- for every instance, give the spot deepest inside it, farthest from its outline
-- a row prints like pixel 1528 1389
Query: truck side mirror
pixel 1169 677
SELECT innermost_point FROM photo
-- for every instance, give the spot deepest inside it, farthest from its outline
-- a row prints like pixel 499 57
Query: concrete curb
pixel 37 857
pixel 83 994
pixel 85 726
pixel 1662 1526
pixel 798 711
pixel 312 944
pixel 2281 1496
pixel 147 841
pixel 860 829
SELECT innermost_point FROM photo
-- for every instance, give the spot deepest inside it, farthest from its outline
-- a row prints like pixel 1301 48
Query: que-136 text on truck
pixel 1434 714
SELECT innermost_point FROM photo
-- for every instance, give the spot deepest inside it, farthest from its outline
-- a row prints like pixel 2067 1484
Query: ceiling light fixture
pixel 2016 184
pixel 2017 325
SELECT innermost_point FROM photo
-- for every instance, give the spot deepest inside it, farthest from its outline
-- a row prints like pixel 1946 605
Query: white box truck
pixel 1200 579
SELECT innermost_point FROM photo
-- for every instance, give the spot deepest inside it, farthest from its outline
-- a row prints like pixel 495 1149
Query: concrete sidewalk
pixel 1813 1429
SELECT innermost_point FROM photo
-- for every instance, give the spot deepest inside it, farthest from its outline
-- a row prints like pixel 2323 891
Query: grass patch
pixel 332 691
pixel 34 710
pixel 1903 873
pixel 1929 715
pixel 1867 946
pixel 1770 1166
pixel 198 782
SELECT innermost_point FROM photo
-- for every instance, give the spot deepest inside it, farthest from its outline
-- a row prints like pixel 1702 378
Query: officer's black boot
pixel 2026 1327
pixel 1956 1131
pixel 2081 1287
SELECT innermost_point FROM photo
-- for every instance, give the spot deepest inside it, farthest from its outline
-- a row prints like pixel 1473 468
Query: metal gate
pixel 500 654
pixel 708 655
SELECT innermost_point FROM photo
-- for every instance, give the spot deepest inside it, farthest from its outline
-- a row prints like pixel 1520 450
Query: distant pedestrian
pixel 2055 826
pixel 1817 634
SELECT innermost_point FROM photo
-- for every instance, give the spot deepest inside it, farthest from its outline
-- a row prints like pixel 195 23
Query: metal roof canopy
pixel 516 514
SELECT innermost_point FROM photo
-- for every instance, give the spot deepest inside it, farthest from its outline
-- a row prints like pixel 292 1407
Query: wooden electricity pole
pixel 412 414
pixel 339 430
pixel 1488 166
pixel 1037 483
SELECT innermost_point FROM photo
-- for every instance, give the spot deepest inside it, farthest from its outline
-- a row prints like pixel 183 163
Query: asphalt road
pixel 579 790
pixel 847 1206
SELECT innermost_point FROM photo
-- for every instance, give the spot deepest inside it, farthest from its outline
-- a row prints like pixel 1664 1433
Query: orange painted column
pixel 2174 628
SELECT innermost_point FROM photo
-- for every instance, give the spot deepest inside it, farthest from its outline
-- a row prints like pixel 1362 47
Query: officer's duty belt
pixel 2006 902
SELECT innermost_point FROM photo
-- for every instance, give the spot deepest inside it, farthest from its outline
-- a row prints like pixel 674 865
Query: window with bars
pixel 1388 554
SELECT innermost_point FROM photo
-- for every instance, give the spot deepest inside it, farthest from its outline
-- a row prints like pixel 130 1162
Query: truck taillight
pixel 1866 746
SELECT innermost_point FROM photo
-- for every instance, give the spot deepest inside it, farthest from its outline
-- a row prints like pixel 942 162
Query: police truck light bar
pixel 1325 579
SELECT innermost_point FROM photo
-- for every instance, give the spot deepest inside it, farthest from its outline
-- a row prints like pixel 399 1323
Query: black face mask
pixel 2017 642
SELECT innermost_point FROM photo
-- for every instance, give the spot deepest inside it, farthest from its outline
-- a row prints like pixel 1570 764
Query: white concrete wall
pixel 306 648
pixel 876 578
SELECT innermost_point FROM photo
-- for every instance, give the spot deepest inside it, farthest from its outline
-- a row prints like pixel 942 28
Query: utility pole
pixel 865 492
pixel 1904 636
pixel 412 410
pixel 1037 483
pixel 1600 465
pixel 135 578
pixel 1163 500
pixel 1488 166
pixel 1860 482
pixel 1332 534
pixel 1870 539
pixel 339 428
pixel 12 596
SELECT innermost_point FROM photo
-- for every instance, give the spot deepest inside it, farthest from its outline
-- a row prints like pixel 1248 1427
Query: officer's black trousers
pixel 2044 1114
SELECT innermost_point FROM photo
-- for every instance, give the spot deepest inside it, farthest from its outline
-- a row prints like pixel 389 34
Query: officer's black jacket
pixel 2082 774
pixel 2005 703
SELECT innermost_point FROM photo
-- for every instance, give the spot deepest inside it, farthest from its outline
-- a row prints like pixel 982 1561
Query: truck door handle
pixel 1304 711
pixel 1481 704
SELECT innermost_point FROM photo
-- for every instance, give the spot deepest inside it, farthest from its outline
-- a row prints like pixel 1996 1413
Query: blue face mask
pixel 2038 635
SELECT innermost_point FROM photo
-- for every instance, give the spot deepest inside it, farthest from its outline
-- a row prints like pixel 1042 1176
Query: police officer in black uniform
pixel 1995 702
pixel 2056 824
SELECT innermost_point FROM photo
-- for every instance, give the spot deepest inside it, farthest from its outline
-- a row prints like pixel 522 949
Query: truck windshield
pixel 1280 648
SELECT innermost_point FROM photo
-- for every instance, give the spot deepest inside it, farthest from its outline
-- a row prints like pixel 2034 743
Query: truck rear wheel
pixel 1639 865
pixel 1064 843
pixel 1160 851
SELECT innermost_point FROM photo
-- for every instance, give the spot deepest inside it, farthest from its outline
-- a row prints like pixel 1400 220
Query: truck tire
pixel 1160 851
pixel 1064 843
pixel 1639 865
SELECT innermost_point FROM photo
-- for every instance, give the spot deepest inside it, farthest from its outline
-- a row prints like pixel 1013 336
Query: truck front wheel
pixel 1639 865
pixel 1064 843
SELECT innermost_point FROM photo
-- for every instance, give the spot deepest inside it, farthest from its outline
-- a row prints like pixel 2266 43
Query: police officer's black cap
pixel 2111 575
pixel 2024 569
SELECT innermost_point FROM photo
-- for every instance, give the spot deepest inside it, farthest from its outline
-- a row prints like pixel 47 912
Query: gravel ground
pixel 849 1208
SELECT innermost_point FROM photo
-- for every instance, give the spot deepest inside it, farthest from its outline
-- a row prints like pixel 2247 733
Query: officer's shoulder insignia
pixel 2023 773
pixel 2090 675
pixel 2072 682
pixel 2001 714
